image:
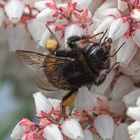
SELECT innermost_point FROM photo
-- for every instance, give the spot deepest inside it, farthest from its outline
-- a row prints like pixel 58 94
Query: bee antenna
pixel 54 36
pixel 117 50
pixel 103 36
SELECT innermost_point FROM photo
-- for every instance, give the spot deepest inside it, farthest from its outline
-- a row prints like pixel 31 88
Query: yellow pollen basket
pixel 70 100
pixel 51 44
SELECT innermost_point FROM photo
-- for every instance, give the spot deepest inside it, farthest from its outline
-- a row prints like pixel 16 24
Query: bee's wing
pixel 43 64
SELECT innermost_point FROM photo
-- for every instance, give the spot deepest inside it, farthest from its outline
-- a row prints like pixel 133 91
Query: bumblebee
pixel 71 69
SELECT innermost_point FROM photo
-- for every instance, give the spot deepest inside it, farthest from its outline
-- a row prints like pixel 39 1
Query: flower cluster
pixel 98 112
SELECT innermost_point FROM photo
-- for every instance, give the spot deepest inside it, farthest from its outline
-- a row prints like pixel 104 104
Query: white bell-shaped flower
pixel 118 28
pixel 134 113
pixel 135 14
pixel 16 37
pixel 117 107
pixel 18 131
pixel 127 52
pixel 88 135
pixel 134 127
pixel 84 100
pixel 14 9
pixel 52 132
pixel 72 129
pixel 105 24
pixel 104 125
pixel 42 103
pixel 122 86
pixel 136 36
pixel 106 84
pixel 121 132
pixel 46 15
pixel 122 5
pixel 133 68
pixel 131 98
pixel 35 24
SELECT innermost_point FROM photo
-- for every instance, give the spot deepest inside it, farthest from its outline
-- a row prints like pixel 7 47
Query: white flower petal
pixel 121 132
pixel 136 36
pixel 41 103
pixel 41 4
pixel 134 127
pixel 18 131
pixel 122 5
pixel 137 137
pixel 52 132
pixel 117 107
pixel 46 15
pixel 84 100
pixel 72 129
pixel 135 14
pixel 133 68
pixel 127 52
pixel 106 84
pixel 55 103
pixel 16 37
pixel 134 113
pixel 104 125
pixel 138 101
pixel 131 98
pixel 105 13
pixel 33 27
pixel 88 135
pixel 108 4
pixel 105 24
pixel 14 9
pixel 118 28
pixel 122 86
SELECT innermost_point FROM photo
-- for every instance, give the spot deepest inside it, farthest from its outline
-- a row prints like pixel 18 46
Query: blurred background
pixel 16 89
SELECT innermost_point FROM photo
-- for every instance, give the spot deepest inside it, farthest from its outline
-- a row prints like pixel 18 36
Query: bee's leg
pixel 101 78
pixel 67 100
pixel 73 39
pixel 104 73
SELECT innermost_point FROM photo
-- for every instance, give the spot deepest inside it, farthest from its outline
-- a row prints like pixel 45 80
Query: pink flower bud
pixel 14 9
pixel 104 125
pixel 72 129
pixel 41 103
pixel 52 132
